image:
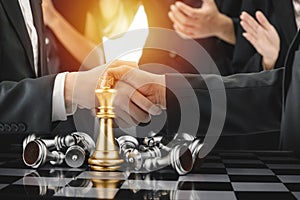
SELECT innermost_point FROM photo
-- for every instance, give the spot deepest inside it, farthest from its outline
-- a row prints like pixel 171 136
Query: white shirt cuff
pixel 59 110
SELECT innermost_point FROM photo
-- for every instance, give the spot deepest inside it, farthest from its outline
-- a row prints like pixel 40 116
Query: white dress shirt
pixel 58 101
pixel 296 4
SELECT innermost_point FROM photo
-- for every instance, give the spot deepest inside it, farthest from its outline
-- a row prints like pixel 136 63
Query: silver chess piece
pixel 36 154
pixel 76 154
pixel 194 144
pixel 85 141
pixel 180 158
pixel 136 158
pixel 28 139
pixel 126 144
pixel 78 145
pixel 183 137
pixel 59 142
pixel 152 141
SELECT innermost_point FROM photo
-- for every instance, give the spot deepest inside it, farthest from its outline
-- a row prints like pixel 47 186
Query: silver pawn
pixel 180 158
pixel 76 154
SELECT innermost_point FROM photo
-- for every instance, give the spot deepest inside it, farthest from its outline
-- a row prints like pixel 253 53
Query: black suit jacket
pixel 25 99
pixel 281 15
pixel 254 105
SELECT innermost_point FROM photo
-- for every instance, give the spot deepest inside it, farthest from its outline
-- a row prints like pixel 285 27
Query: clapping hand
pixel 203 22
pixel 263 36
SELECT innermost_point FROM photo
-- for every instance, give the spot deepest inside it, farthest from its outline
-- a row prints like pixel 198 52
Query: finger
pixel 145 104
pixel 122 124
pixel 249 23
pixel 187 10
pixel 179 17
pixel 263 20
pixel 251 39
pixel 138 114
pixel 132 110
pixel 171 17
pixel 127 92
pixel 124 103
pixel 180 26
pixel 182 32
pixel 135 79
pixel 249 20
pixel 248 29
pixel 124 118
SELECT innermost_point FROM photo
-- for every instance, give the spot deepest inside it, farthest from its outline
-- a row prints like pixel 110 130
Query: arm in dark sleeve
pixel 26 106
pixel 252 108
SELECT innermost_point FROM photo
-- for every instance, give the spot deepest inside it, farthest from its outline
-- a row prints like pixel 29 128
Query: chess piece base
pixel 104 169
pixel 105 161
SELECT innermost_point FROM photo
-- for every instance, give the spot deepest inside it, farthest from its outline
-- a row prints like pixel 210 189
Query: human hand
pixel 131 107
pixel 138 86
pixel 202 22
pixel 80 86
pixel 263 36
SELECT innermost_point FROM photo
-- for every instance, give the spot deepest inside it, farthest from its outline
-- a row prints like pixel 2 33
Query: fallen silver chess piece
pixel 152 154
pixel 72 149
pixel 36 154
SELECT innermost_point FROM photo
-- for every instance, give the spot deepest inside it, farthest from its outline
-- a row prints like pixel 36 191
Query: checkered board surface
pixel 223 175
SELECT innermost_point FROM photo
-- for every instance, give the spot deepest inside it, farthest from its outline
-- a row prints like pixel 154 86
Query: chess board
pixel 223 175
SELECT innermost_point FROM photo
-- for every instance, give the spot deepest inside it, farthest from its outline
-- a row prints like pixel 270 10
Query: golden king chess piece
pixel 106 156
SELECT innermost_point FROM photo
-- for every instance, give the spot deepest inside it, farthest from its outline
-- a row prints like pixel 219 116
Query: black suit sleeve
pixel 249 100
pixel 26 106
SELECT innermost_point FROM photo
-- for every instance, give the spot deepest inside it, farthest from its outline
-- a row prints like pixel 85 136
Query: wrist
pixel 224 28
pixel 268 63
